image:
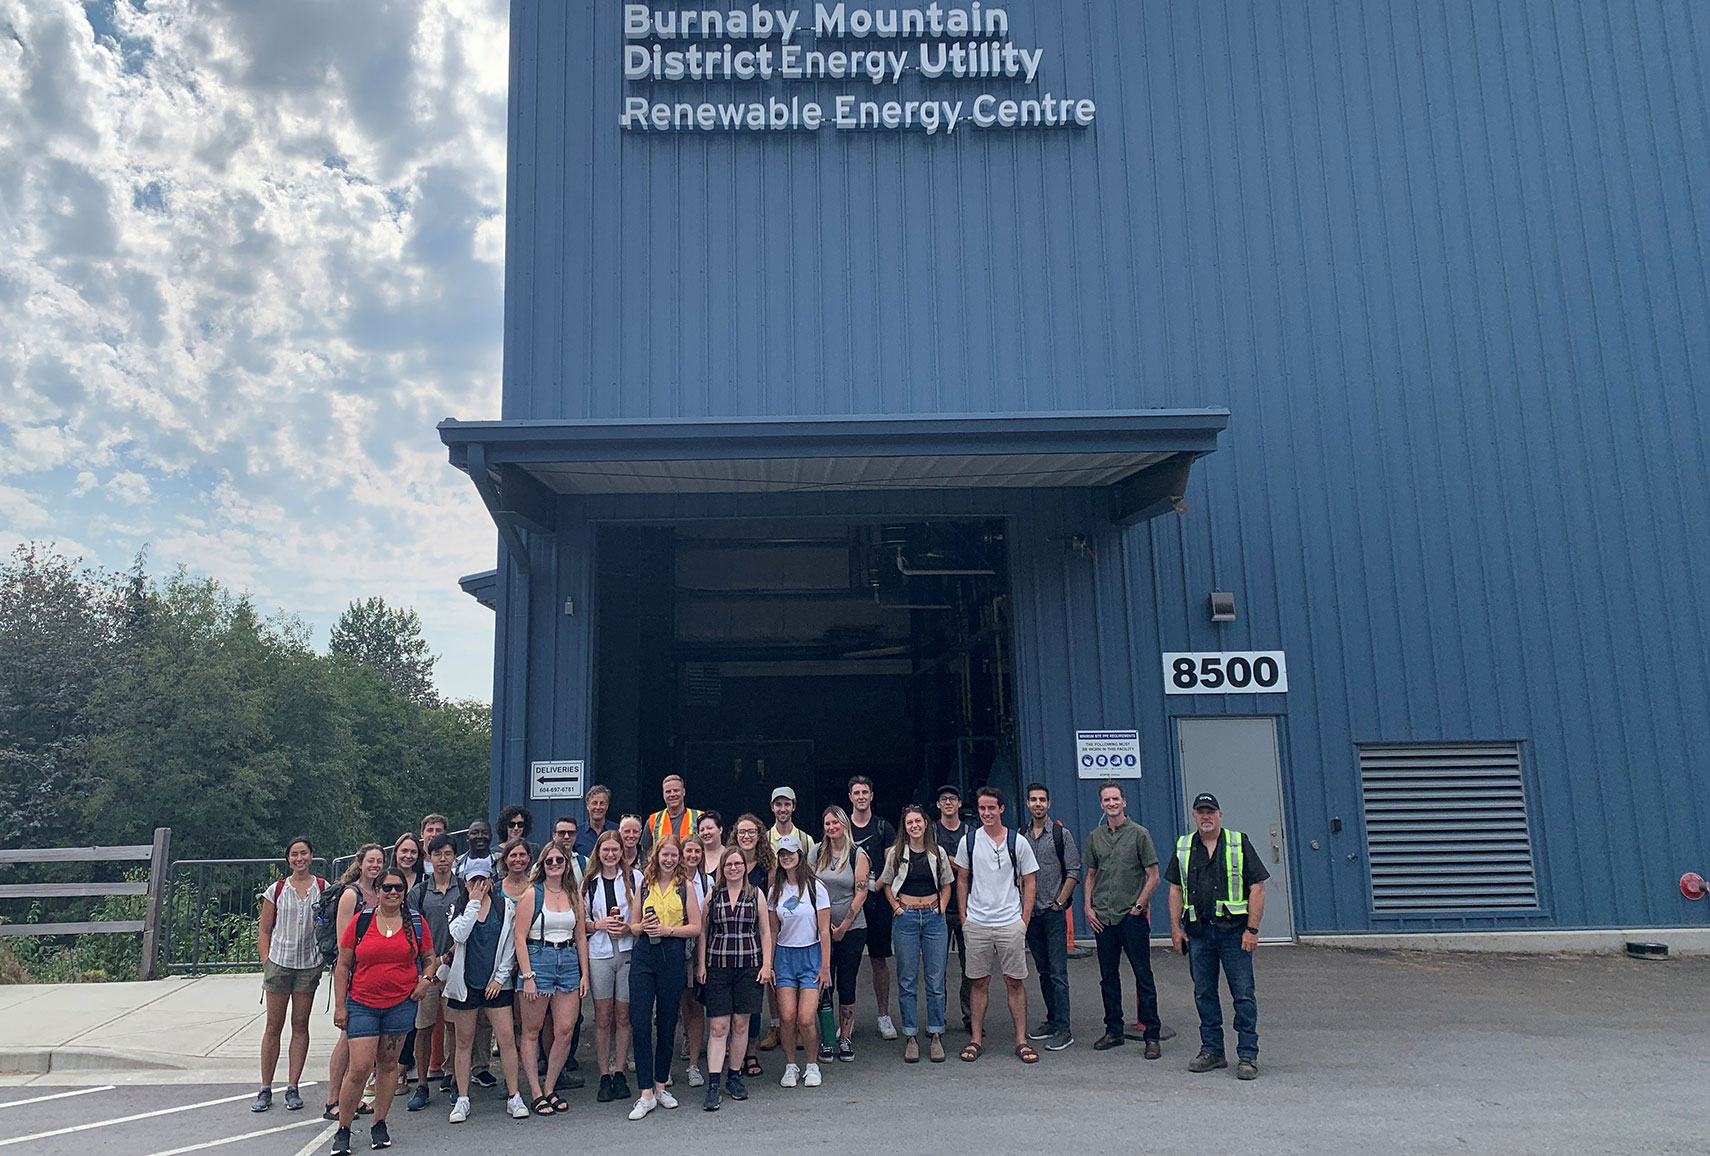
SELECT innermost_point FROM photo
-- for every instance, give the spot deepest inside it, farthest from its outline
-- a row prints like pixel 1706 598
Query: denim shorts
pixel 364 1023
pixel 556 969
pixel 797 967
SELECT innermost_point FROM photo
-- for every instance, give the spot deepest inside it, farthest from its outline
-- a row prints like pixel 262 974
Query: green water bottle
pixel 827 1021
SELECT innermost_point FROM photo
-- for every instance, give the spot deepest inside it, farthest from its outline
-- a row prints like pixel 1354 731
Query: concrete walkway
pixel 181 1030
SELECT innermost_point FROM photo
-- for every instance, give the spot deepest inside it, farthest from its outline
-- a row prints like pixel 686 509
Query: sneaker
pixel 629 1064
pixel 935 1049
pixel 1205 1062
pixel 1060 1040
pixel 665 1098
pixel 792 1073
pixel 420 1099
pixel 643 1106
pixel 695 1077
pixel 770 1040
pixel 827 1053
pixel 911 1051
pixel 1246 1069
pixel 710 1104
pixel 887 1029
pixel 846 1049
pixel 341 1142
pixel 605 1095
pixel 683 1052
pixel 460 1110
pixel 620 1086
pixel 448 1084
pixel 263 1100
pixel 483 1079
pixel 516 1107
pixel 810 1078
pixel 378 1136
pixel 1043 1032
pixel 734 1087
pixel 293 1099
pixel 568 1081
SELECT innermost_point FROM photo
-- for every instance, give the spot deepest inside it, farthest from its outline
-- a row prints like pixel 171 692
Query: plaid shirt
pixel 733 931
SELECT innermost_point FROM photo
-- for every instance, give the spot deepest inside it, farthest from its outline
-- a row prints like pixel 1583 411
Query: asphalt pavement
pixel 1360 1051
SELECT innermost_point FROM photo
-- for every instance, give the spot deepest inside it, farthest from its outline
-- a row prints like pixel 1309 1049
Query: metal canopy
pixel 1141 457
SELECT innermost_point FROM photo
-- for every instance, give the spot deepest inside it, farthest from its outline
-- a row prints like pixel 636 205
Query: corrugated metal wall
pixel 1445 263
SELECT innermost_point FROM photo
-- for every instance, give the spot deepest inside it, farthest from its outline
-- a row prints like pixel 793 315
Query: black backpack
pixel 1009 844
pixel 326 923
pixel 413 928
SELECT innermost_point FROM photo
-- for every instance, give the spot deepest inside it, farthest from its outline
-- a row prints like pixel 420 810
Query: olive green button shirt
pixel 1120 857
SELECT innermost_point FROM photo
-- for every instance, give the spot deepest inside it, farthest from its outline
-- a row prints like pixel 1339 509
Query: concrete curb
pixel 41 1061
pixel 1680 941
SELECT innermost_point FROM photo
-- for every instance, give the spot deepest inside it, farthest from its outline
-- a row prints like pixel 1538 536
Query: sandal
pixel 971 1052
pixel 542 1106
pixel 559 1103
pixel 1026 1054
pixel 751 1067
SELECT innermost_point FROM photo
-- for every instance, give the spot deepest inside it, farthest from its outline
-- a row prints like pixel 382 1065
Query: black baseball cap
pixel 1205 801
pixel 948 789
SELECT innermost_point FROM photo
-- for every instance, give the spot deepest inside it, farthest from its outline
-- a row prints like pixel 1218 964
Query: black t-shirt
pixel 1205 878
pixel 875 839
pixel 921 880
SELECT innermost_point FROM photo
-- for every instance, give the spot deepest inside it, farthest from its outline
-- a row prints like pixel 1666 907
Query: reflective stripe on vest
pixel 1233 901
pixel 660 823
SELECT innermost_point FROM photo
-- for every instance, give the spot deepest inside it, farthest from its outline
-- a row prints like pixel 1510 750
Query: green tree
pixel 389 643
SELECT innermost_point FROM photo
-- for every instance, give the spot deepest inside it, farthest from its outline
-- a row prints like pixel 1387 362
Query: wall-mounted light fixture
pixel 1222 606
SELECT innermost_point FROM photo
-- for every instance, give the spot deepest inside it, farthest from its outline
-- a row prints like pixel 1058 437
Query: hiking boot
pixel 605 1095
pixel 293 1099
pixel 379 1136
pixel 911 1051
pixel 1247 1069
pixel 770 1040
pixel 341 1142
pixel 734 1087
pixel 1043 1032
pixel 420 1099
pixel 846 1049
pixel 1060 1041
pixel 935 1049
pixel 263 1100
pixel 1205 1062
pixel 1154 1050
pixel 1107 1041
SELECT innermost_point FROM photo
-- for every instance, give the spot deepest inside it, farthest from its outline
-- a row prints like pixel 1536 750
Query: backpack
pixel 326 922
pixel 274 892
pixel 413 928
pixel 1009 845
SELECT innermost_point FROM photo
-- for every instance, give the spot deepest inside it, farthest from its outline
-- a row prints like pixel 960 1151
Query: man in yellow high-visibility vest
pixel 1217 897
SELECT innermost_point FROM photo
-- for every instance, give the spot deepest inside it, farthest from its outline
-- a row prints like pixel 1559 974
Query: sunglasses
pixel 392 888
pixel 554 862
pixel 516 823
pixel 563 833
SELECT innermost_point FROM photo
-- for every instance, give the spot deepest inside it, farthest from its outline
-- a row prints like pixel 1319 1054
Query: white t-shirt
pixel 993 899
pixel 798 920
pixel 600 943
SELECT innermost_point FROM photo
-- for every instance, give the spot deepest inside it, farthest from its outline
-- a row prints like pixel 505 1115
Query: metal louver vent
pixel 1446 828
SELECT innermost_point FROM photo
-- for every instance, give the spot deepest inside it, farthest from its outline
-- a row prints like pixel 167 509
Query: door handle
pixel 1276 844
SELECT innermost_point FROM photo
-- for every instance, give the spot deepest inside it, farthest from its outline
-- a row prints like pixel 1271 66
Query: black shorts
pixel 877 909
pixel 732 991
pixel 504 999
pixel 846 964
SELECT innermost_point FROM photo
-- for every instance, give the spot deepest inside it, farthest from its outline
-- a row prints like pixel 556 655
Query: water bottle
pixel 827 1020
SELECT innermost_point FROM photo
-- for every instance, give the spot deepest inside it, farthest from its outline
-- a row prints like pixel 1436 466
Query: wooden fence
pixel 155 888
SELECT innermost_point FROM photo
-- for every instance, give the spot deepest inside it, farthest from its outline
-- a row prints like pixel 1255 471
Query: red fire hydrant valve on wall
pixel 1692 885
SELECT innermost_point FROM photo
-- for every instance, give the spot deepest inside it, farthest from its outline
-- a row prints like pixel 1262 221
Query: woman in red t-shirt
pixel 379 977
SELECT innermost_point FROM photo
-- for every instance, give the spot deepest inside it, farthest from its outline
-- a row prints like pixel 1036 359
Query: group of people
pixel 437 956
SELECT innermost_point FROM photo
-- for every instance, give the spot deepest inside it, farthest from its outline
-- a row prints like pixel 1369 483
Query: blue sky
pixel 251 252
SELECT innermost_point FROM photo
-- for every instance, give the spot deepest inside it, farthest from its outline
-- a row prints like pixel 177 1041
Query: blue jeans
pixel 917 936
pixel 1048 940
pixel 656 980
pixel 1209 947
pixel 1130 936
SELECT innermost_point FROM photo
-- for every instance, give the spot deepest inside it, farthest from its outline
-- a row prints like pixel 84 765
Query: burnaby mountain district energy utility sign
pixel 1107 754
pixel 561 780
pixel 928 69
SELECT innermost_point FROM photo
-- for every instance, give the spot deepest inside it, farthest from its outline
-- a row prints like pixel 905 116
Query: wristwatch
pixel 1254 930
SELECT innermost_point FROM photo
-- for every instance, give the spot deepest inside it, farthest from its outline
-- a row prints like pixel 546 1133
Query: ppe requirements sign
pixel 1107 754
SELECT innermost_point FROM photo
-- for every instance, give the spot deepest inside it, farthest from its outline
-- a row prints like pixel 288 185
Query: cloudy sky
pixel 250 254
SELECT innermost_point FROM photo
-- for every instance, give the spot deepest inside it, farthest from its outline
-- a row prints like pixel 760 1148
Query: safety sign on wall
pixel 555 780
pixel 1108 754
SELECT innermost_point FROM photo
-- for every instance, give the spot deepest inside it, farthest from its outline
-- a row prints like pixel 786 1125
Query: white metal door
pixel 1237 760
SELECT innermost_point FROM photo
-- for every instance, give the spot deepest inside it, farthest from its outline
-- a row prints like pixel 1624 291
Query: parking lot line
pixel 129 1119
pixel 56 1096
pixel 235 1139
pixel 314 1144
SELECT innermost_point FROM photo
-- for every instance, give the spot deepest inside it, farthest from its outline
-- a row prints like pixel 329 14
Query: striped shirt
pixel 733 930
pixel 293 941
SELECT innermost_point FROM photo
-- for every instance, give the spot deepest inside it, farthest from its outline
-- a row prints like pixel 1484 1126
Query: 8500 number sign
pixel 1226 672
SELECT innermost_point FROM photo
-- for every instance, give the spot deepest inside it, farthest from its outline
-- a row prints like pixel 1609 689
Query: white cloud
pixel 249 254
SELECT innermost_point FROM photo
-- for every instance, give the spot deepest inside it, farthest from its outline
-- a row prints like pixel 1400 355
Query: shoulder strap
pixel 1057 842
pixel 364 919
pixel 539 907
pixel 275 891
pixel 1014 863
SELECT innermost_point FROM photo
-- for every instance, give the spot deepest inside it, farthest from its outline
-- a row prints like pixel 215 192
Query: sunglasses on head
pixel 392 887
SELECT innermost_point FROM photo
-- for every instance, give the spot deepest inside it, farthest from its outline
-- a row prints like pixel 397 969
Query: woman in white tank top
pixel 552 936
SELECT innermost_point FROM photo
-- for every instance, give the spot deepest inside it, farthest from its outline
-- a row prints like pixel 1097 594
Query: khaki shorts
pixel 992 949
pixel 427 1008
pixel 280 980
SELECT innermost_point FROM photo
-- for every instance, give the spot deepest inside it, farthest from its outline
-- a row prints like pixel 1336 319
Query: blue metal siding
pixel 1444 261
